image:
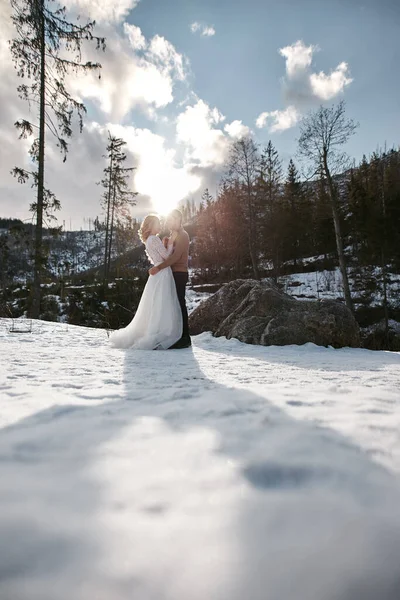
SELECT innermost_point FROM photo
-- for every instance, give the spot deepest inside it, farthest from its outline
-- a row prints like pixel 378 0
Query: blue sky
pixel 182 79
pixel 239 68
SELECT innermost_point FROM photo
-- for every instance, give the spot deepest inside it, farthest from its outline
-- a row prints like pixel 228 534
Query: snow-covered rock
pixel 260 313
pixel 376 337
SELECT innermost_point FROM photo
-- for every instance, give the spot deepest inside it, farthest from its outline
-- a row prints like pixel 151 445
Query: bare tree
pixel 44 39
pixel 243 169
pixel 322 135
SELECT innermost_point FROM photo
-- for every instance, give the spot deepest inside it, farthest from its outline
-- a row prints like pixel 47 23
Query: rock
pixel 375 336
pixel 260 313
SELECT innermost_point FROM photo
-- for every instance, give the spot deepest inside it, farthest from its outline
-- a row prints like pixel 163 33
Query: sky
pixel 182 79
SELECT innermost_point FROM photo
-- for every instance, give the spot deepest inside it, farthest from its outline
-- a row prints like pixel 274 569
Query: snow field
pixel 223 472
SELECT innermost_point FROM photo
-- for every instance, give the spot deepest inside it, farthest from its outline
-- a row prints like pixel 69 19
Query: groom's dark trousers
pixel 181 279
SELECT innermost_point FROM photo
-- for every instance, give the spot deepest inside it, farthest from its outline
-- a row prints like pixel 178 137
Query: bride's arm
pixel 160 248
pixel 164 251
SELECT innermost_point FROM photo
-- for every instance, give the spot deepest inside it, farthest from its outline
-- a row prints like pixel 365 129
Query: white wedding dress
pixel 157 324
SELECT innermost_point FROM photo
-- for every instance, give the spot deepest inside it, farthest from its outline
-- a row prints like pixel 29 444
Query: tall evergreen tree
pixel 117 197
pixel 298 219
pixel 233 249
pixel 44 38
pixel 207 237
pixel 323 242
pixel 193 206
pixel 269 193
pixel 206 198
pixel 189 209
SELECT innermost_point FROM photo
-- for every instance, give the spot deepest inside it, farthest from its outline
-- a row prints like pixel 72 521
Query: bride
pixel 157 324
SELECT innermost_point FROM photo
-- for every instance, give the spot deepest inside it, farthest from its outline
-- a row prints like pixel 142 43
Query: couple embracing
pixel 161 320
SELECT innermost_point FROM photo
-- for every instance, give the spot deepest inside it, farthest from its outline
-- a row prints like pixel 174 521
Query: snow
pixel 194 298
pixel 223 472
pixel 327 285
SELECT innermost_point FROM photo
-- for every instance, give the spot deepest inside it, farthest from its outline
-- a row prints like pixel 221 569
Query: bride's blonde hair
pixel 147 226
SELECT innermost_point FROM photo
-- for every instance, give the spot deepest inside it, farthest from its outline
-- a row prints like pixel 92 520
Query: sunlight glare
pixel 168 192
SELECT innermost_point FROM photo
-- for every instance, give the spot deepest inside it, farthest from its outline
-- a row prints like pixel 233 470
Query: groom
pixel 178 261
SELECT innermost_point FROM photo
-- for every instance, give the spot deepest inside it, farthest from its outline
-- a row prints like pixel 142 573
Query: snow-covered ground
pixel 223 472
pixel 194 298
pixel 327 285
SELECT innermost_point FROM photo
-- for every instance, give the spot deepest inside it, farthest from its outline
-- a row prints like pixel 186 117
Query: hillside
pixel 227 471
pixel 69 252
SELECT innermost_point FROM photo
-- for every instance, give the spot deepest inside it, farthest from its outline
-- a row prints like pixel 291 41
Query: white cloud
pixel 279 119
pixel 216 115
pixel 326 87
pixel 195 127
pixel 136 73
pixel 14 197
pixel 237 130
pixel 135 36
pixel 103 11
pixel 298 57
pixel 157 174
pixel 262 119
pixel 208 31
pixel 302 84
pixel 205 30
pixel 162 53
pixel 302 87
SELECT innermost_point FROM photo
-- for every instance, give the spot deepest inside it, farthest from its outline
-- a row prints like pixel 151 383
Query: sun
pixel 164 203
pixel 169 192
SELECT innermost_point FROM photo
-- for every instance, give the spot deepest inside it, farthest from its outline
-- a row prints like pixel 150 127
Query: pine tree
pixel 359 210
pixel 298 215
pixel 117 198
pixel 39 50
pixel 233 249
pixel 269 194
pixel 206 198
pixel 323 241
pixel 206 241
pixel 220 249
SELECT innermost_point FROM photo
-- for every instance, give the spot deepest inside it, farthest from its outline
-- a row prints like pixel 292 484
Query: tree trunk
pixel 38 259
pixel 252 252
pixel 106 243
pixel 338 236
pixel 293 227
pixel 385 298
pixel 253 260
pixel 383 262
pixel 111 230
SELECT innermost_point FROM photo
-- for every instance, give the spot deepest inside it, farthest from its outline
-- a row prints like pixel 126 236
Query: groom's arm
pixel 181 245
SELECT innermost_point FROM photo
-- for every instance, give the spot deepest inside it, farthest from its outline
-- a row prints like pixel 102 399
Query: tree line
pixel 264 222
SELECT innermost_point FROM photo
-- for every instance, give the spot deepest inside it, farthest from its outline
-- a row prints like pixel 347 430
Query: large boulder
pixel 260 313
